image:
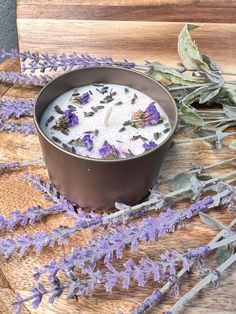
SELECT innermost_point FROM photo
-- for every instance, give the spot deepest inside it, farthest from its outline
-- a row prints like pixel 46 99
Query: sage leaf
pixel 219 139
pixel 211 222
pixel 196 186
pixel 226 96
pixel 194 95
pixel 181 181
pixel 192 118
pixel 232 145
pixel 230 111
pixel 209 95
pixel 211 64
pixel 167 76
pixel 222 254
pixel 188 50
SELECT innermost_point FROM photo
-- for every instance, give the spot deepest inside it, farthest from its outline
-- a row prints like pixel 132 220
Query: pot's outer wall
pixel 97 183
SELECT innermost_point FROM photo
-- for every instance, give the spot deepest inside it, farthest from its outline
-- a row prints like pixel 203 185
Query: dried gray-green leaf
pixel 222 254
pixel 188 50
pixel 192 118
pixel 196 186
pixel 180 181
pixel 209 94
pixel 230 111
pixel 232 145
pixel 219 139
pixel 211 64
pixel 211 222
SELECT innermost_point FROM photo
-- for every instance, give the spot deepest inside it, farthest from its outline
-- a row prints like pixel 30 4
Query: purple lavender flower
pixel 84 98
pixel 15 108
pixel 149 146
pixel 12 165
pixel 24 79
pixel 108 151
pixel 72 118
pixel 152 115
pixel 105 245
pixel 87 142
pixel 43 61
pixel 23 128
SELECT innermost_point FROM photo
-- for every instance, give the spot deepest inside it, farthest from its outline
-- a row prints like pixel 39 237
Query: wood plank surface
pixel 16 273
pixel 137 41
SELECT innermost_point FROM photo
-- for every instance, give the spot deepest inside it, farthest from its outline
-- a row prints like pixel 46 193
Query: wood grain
pixel 16 273
pixel 137 41
pixel 171 11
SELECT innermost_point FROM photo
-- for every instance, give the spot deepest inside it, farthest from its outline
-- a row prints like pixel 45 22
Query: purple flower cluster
pixel 108 151
pixel 152 115
pixel 84 98
pixel 29 217
pixel 72 118
pixel 24 79
pixel 104 246
pixel 149 145
pixel 23 128
pixel 44 61
pixel 87 142
pixel 15 108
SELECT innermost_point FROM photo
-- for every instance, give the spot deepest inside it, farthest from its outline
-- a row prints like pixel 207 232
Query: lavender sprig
pixel 213 244
pixel 15 108
pixel 53 62
pixel 25 127
pixel 24 79
pixel 115 241
pixel 161 270
pixel 13 165
pixel 29 217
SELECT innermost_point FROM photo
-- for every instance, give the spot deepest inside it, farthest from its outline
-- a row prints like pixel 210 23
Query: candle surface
pixel 107 121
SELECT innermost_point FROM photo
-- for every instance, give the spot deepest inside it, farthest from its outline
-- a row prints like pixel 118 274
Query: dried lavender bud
pixel 16 108
pixel 22 128
pixel 126 90
pixel 88 114
pixel 55 139
pixel 118 103
pixel 122 129
pixel 58 109
pixel 103 90
pixel 166 131
pixel 69 149
pixel 90 92
pixel 49 120
pixel 72 108
pixel 156 136
pixel 134 99
pixel 96 132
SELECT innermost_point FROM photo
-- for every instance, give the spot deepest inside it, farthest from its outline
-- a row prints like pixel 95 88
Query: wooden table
pixel 16 273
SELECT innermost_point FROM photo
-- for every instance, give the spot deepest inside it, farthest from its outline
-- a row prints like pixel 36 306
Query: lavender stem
pixel 202 138
pixel 20 164
pixel 204 282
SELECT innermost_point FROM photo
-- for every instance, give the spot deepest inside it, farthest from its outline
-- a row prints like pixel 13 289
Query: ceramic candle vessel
pixel 99 183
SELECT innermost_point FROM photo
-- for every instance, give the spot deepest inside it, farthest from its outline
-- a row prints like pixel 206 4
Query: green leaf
pixel 232 145
pixel 194 95
pixel 211 222
pixel 167 76
pixel 226 96
pixel 180 181
pixel 230 111
pixel 223 253
pixel 188 50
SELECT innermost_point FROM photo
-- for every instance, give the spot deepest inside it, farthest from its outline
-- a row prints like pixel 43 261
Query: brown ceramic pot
pixel 97 183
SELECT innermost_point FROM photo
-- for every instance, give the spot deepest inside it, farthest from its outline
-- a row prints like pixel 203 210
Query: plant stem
pixel 229 73
pixel 184 87
pixel 202 169
pixel 204 282
pixel 230 82
pixel 202 138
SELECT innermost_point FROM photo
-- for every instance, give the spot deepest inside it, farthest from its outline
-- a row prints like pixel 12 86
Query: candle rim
pixel 36 122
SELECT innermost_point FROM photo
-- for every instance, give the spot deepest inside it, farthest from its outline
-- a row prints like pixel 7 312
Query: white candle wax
pixel 118 120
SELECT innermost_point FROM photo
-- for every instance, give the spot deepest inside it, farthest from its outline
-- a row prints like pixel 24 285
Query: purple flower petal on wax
pixel 87 142
pixel 84 98
pixel 73 118
pixel 108 151
pixel 149 146
pixel 152 115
